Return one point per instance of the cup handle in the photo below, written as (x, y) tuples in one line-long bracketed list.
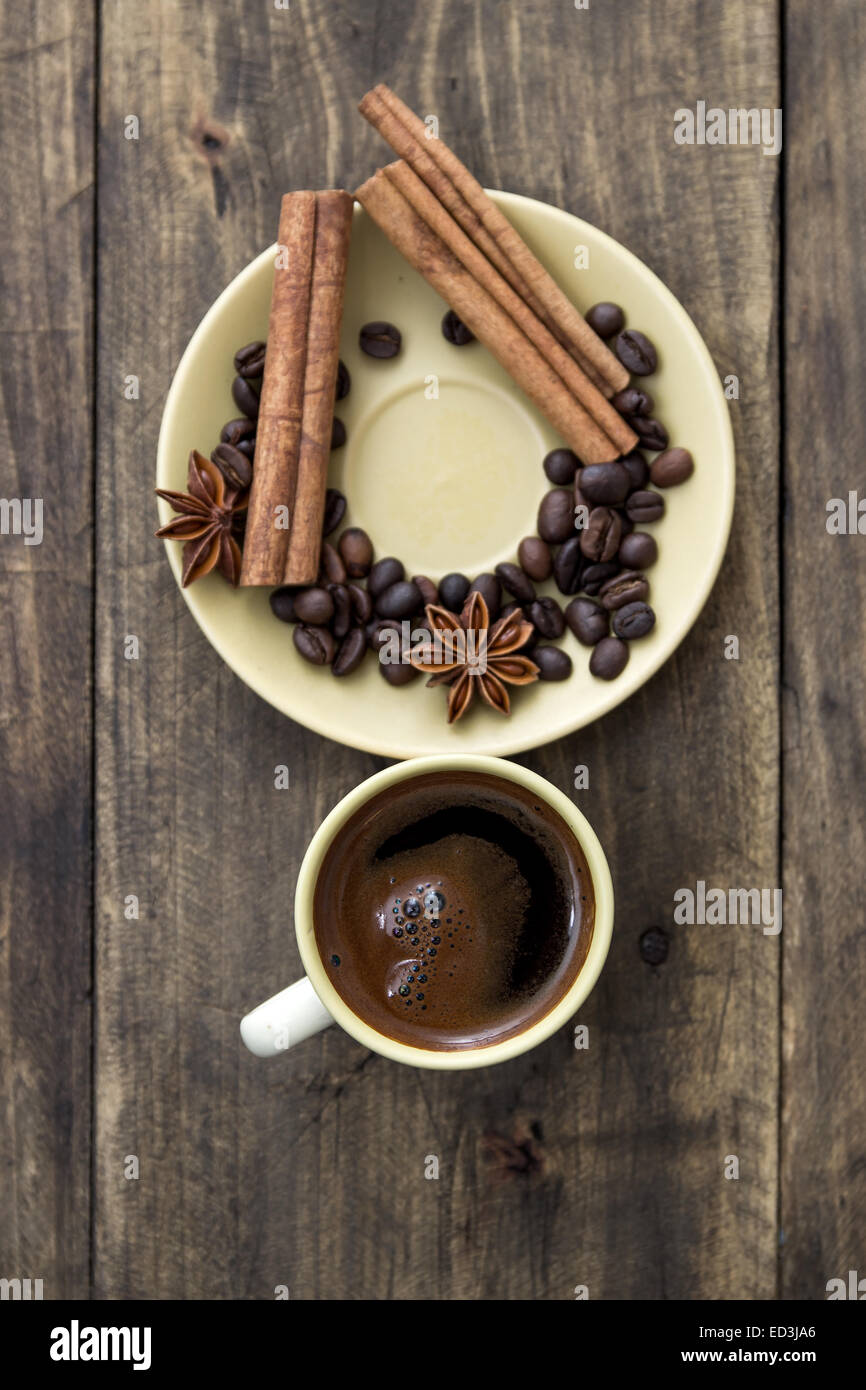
[(287, 1018)]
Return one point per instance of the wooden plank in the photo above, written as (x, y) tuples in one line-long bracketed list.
[(46, 112), (823, 1170), (310, 1172)]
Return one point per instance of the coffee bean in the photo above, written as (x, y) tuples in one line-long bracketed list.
[(344, 382), (553, 663), (535, 558), (234, 466), (315, 644), (350, 653), (397, 673), (636, 352), (629, 587), (454, 330), (429, 592), (356, 551), (605, 484), (609, 658), (560, 465), (380, 339), (588, 621), (236, 430), (399, 600), (556, 516), (384, 573), (568, 566), (282, 603), (651, 433), (634, 620), (546, 616), (600, 539), (338, 434), (382, 631), (653, 946), (343, 614), (250, 361), (633, 401), (637, 468), (248, 447), (638, 551), (645, 506), (625, 521), (452, 591), (672, 468), (488, 586), (361, 603), (582, 502), (314, 606), (331, 566), (335, 510), (596, 575), (606, 319), (245, 398), (512, 578)]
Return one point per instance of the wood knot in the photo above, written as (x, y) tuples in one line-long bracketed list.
[(209, 138), (513, 1156)]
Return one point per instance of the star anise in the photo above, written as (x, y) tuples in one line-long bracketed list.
[(471, 656), (209, 512)]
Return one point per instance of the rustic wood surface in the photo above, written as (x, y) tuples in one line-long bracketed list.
[(604, 1167)]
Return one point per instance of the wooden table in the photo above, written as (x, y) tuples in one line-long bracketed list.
[(154, 777)]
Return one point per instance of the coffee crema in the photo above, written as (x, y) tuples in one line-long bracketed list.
[(453, 910)]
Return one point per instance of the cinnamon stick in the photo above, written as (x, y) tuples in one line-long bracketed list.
[(440, 220), (330, 257), (278, 429), (462, 194), (478, 309)]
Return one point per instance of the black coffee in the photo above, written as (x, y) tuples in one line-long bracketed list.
[(453, 910)]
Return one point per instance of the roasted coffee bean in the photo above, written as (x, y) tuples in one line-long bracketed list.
[(626, 523), (399, 600), (568, 566), (282, 603), (452, 591), (361, 602), (535, 558), (556, 516), (331, 567), (629, 587), (338, 434), (356, 552), (234, 466), (588, 620), (636, 352), (597, 574), (637, 468), (454, 330), (316, 644), (384, 573), (553, 663), (335, 510), (638, 551), (653, 946), (351, 652), (633, 401), (512, 578), (314, 607), (342, 619), (429, 592), (645, 506), (250, 361), (560, 465), (634, 620), (397, 673), (344, 382), (234, 431), (382, 630), (581, 501), (545, 615), (248, 447), (651, 433), (245, 398), (605, 484), (609, 658), (488, 586), (380, 339), (600, 540), (606, 319), (672, 468)]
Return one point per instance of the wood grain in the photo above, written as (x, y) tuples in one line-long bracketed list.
[(602, 1167), (823, 1155), (46, 230)]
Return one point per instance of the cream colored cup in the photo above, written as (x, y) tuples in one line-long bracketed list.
[(313, 1003)]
